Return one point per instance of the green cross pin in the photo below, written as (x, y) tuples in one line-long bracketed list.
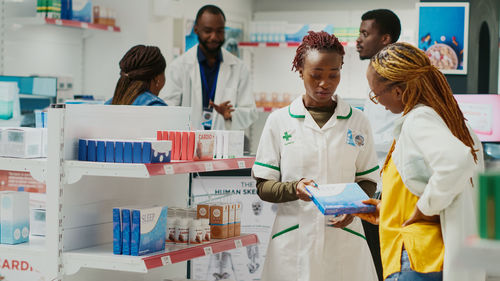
[(286, 136)]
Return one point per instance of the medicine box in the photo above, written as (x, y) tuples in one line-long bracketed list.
[(22, 142), (14, 217), (204, 145), (148, 230), (489, 205), (219, 217), (126, 230), (233, 144), (338, 199), (117, 231), (81, 10)]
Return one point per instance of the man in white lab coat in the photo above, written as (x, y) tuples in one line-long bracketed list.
[(378, 29), (209, 79)]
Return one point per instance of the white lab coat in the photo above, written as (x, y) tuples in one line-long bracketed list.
[(292, 146), (437, 167), (183, 88)]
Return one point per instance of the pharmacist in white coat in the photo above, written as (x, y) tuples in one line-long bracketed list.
[(318, 139), (209, 79)]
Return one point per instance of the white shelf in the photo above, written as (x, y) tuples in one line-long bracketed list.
[(74, 170), (480, 254), (102, 257), (35, 246), (25, 21), (37, 167)]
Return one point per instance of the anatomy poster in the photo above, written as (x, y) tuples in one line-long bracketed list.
[(243, 264), (445, 40)]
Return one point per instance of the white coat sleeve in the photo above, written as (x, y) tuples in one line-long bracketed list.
[(245, 112), (268, 158), (172, 92), (450, 161), (367, 167)]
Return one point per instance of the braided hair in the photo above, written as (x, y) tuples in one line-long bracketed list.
[(406, 65), (139, 66), (320, 41)]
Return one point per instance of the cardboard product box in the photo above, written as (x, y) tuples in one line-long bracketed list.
[(91, 150), (184, 146), (101, 151), (82, 149), (219, 217), (117, 231), (230, 222), (82, 10), (148, 230), (202, 211), (22, 142), (237, 219), (204, 145), (14, 217)]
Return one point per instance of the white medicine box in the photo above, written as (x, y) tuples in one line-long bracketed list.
[(14, 217), (22, 142)]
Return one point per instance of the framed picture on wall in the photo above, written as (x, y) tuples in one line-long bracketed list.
[(443, 32)]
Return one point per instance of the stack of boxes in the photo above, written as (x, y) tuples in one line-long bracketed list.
[(225, 219), (23, 142), (139, 231), (124, 151)]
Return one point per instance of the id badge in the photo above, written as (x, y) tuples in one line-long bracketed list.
[(206, 118)]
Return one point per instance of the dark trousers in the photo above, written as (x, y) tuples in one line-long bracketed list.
[(372, 238)]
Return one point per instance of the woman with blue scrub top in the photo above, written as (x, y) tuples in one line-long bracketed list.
[(142, 76), (317, 139)]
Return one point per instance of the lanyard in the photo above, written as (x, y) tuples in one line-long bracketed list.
[(211, 94)]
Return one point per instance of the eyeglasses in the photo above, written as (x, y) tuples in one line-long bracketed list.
[(373, 97)]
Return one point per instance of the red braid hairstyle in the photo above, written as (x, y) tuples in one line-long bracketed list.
[(320, 41)]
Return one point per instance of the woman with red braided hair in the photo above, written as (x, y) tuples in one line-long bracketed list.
[(317, 139), (427, 207), (142, 76)]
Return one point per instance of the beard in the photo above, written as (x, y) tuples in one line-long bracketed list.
[(211, 49)]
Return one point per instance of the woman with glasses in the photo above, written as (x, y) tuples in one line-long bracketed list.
[(427, 209)]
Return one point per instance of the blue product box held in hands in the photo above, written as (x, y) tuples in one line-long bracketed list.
[(339, 199)]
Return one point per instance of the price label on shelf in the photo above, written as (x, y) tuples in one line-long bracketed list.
[(84, 25), (209, 166), (241, 164), (238, 243), (169, 169), (110, 28), (208, 251), (165, 260), (59, 22)]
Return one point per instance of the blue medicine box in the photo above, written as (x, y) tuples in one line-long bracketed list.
[(91, 150), (110, 151), (339, 199), (126, 229), (82, 149), (117, 231), (101, 151), (119, 152), (148, 230), (127, 152), (137, 152)]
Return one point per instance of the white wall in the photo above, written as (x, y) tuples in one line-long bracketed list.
[(143, 22), (341, 14)]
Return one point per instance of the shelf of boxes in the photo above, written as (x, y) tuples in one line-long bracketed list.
[(35, 246), (61, 22), (102, 257), (480, 254), (276, 44), (74, 170), (37, 167)]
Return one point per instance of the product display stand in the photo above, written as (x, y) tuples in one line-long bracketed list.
[(81, 195)]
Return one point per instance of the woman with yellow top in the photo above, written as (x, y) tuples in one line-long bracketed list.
[(427, 209)]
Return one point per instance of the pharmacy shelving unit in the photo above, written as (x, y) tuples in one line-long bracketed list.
[(22, 21), (81, 195), (480, 254)]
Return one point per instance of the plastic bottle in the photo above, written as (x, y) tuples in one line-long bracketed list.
[(205, 223), (171, 223), (182, 229), (195, 232)]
